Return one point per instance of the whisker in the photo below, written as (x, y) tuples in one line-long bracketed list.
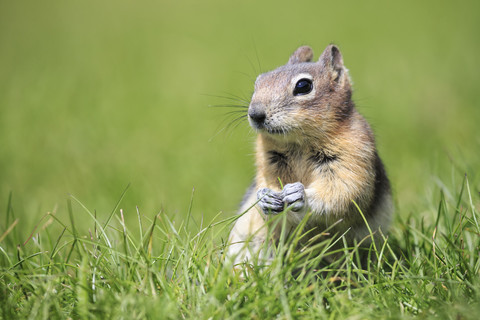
[(235, 113), (234, 121), (238, 119), (228, 106), (249, 76), (231, 118), (256, 55), (252, 65), (238, 122), (241, 99), (230, 97)]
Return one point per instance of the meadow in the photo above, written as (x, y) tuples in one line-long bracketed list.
[(120, 178)]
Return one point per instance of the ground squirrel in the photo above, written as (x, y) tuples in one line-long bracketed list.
[(313, 141)]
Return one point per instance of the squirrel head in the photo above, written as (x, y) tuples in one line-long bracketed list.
[(302, 98)]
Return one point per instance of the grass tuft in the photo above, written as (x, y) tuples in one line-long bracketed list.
[(164, 270)]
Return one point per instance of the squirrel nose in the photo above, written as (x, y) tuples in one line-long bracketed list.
[(257, 116)]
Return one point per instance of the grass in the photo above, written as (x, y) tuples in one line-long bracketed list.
[(164, 270), (98, 95)]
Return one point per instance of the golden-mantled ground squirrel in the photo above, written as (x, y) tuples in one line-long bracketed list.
[(313, 141)]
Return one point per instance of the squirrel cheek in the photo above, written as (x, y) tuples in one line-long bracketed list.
[(296, 116)]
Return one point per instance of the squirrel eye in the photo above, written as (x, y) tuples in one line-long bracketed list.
[(303, 86)]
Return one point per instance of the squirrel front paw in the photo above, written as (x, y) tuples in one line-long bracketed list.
[(294, 196), (270, 201)]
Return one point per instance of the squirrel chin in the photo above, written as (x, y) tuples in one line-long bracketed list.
[(283, 139)]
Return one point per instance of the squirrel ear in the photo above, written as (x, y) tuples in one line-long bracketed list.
[(332, 60), (302, 54)]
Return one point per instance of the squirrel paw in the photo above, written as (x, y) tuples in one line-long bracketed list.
[(294, 196), (270, 201)]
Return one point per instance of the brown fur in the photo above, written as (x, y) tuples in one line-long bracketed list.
[(319, 140)]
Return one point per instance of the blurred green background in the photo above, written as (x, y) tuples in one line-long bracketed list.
[(95, 95)]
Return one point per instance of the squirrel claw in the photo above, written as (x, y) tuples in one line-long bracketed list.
[(294, 196), (270, 201)]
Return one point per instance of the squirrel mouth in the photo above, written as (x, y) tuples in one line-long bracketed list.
[(276, 130), (267, 128), (271, 130)]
